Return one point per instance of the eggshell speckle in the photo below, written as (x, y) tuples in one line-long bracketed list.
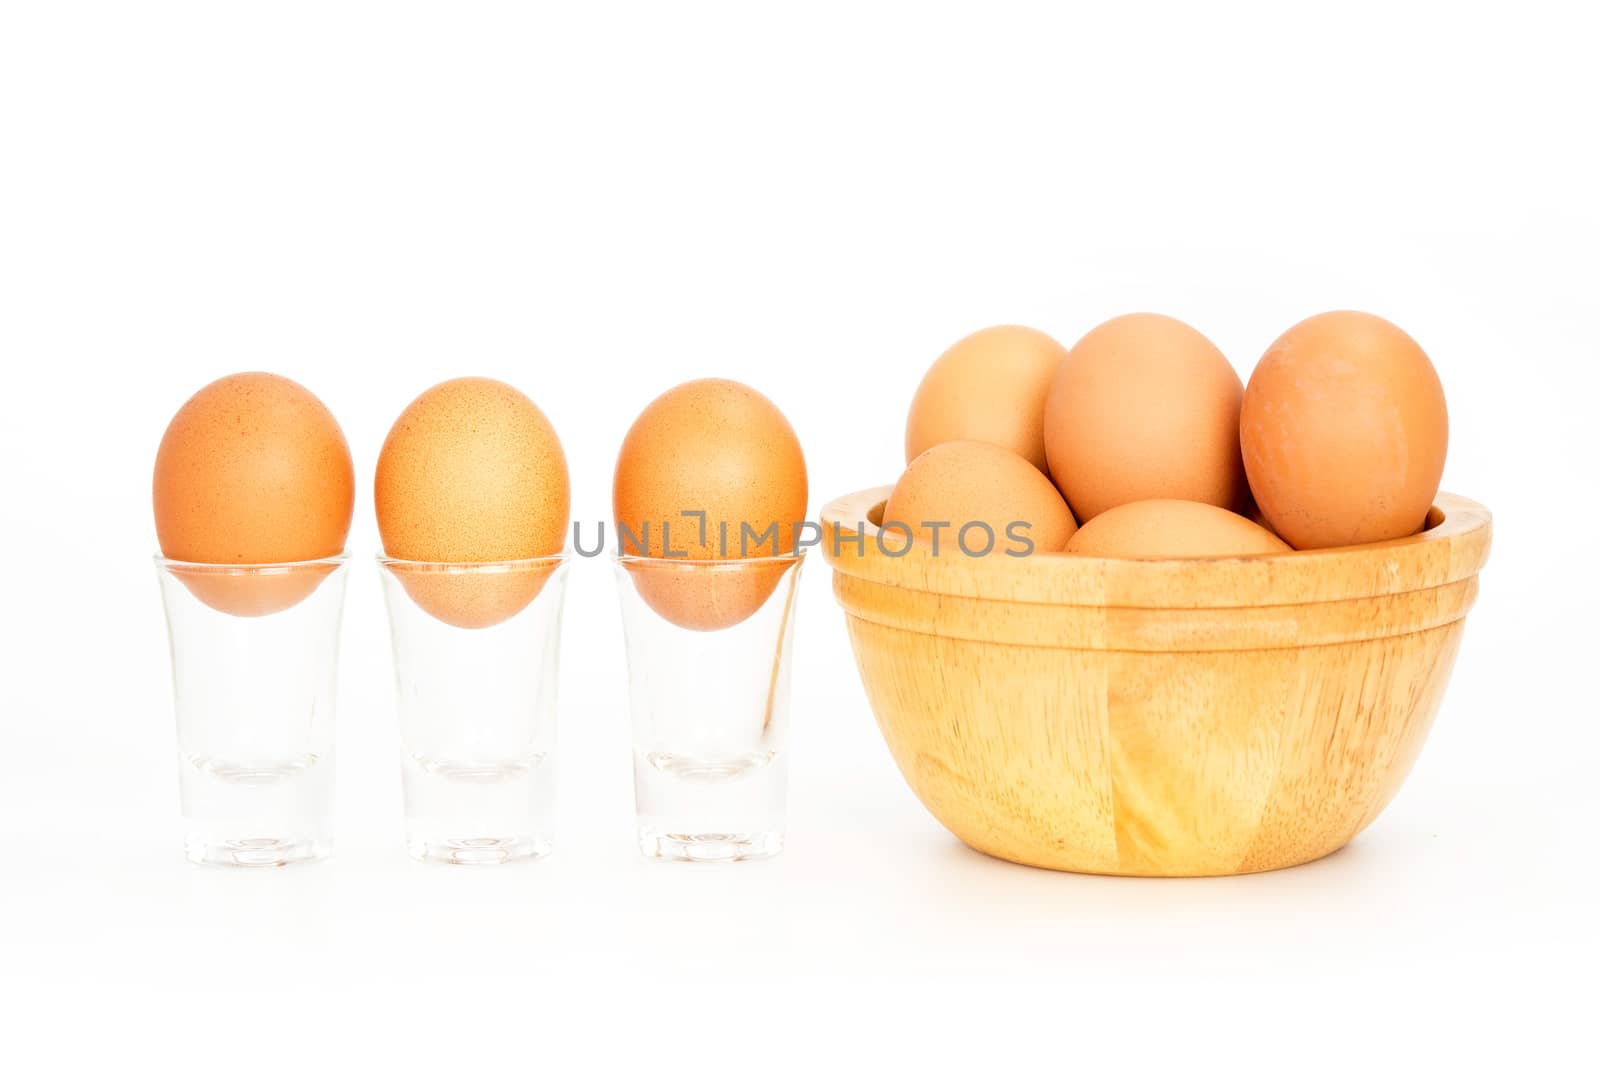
[(1170, 529), (1144, 407), (253, 470), (472, 472), (989, 386), (718, 447), (1344, 431), (962, 482)]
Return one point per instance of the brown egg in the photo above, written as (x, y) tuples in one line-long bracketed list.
[(1144, 407), (253, 470), (989, 386), (1007, 501), (1168, 529), (721, 448), (1344, 431), (472, 472)]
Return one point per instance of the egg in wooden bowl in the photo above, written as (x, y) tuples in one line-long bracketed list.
[(1162, 717)]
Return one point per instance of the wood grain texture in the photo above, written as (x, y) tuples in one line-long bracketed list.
[(1180, 717)]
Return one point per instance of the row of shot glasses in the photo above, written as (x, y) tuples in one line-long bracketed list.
[(255, 653)]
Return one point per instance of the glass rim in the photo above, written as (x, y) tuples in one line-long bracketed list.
[(733, 563), (449, 567), (167, 563)]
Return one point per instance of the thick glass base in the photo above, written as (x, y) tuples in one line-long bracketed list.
[(460, 812), (256, 813), (254, 852), (478, 850), (710, 846)]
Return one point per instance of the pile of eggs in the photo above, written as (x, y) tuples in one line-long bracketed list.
[(1141, 441)]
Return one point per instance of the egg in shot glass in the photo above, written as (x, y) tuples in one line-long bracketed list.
[(709, 501), (253, 491), (472, 499)]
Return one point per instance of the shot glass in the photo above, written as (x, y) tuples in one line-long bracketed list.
[(255, 652), (476, 655), (709, 646)]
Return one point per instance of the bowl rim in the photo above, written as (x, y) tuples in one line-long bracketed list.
[(1452, 548)]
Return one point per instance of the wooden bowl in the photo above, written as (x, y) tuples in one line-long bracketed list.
[(1156, 717)]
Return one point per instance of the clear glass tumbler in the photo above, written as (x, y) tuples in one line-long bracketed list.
[(709, 645), (477, 649), (255, 652)]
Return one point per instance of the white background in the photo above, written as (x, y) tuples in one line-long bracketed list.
[(597, 205)]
